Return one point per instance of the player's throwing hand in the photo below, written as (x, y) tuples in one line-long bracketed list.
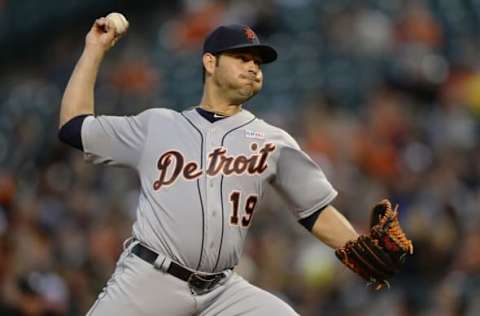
[(104, 34)]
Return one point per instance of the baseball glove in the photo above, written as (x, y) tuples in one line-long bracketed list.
[(376, 257)]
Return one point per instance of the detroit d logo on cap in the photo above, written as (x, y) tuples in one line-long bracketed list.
[(249, 34)]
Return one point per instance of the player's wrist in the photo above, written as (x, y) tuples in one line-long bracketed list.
[(94, 52)]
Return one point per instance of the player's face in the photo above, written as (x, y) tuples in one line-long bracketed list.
[(238, 75)]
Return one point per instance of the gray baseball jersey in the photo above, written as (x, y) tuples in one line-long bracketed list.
[(201, 181)]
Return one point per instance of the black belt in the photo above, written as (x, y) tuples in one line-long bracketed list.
[(199, 282)]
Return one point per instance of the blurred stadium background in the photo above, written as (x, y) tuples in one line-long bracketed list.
[(383, 94)]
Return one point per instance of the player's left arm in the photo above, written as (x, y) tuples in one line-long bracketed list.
[(309, 193), (332, 228), (375, 256)]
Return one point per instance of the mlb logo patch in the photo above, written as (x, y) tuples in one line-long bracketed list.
[(254, 134)]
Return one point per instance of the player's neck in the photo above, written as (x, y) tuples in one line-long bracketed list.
[(227, 110), (219, 105)]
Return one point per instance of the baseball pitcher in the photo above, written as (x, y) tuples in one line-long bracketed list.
[(203, 172)]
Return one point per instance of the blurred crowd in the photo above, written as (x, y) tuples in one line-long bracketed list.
[(384, 95)]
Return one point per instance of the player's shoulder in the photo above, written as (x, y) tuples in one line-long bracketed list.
[(276, 134), (160, 112), (157, 115)]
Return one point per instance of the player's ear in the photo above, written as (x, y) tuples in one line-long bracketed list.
[(209, 62)]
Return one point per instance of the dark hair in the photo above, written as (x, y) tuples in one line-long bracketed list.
[(217, 56)]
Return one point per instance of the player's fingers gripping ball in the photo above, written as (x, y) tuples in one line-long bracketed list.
[(119, 23), (376, 257)]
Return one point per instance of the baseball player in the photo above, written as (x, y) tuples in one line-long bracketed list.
[(202, 171)]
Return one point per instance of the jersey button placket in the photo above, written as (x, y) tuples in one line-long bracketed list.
[(212, 235)]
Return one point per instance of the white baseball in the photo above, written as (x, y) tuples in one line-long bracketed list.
[(119, 22)]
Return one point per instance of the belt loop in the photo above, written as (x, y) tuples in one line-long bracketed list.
[(162, 263), (126, 242), (129, 243)]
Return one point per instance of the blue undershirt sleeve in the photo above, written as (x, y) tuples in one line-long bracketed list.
[(310, 220), (71, 132)]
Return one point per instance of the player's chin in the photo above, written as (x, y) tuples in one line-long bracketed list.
[(253, 87), (248, 92)]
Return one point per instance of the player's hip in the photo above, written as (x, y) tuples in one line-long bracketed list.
[(137, 288)]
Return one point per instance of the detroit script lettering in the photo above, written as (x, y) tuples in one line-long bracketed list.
[(172, 164)]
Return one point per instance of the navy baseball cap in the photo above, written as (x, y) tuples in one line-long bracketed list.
[(236, 36)]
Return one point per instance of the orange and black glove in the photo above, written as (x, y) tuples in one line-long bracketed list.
[(376, 257)]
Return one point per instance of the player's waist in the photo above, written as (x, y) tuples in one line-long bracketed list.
[(199, 282)]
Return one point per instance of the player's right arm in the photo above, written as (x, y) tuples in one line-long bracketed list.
[(78, 98), (115, 140)]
